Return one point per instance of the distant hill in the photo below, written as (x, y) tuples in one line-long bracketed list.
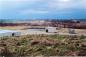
[(21, 20)]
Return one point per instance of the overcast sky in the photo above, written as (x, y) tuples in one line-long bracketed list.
[(42, 9)]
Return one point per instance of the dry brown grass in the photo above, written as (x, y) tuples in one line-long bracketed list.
[(48, 45), (13, 27)]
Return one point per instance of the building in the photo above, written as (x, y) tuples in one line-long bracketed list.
[(51, 29), (9, 33), (71, 31)]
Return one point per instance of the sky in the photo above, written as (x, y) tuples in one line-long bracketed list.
[(42, 9)]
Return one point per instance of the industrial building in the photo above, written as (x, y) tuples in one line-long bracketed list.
[(9, 33), (51, 29), (72, 31)]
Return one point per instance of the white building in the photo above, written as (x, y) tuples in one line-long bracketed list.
[(51, 29), (9, 33), (71, 31)]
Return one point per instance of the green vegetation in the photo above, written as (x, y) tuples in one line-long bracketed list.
[(43, 45), (58, 37)]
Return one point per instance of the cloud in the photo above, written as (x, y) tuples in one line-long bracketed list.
[(19, 0), (17, 3), (54, 6), (50, 4), (33, 11), (82, 4), (42, 7), (67, 4)]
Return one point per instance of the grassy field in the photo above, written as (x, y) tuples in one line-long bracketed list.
[(43, 45)]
